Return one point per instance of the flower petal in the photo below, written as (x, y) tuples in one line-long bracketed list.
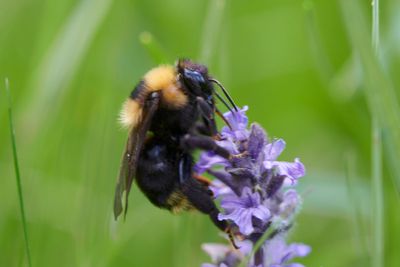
[(242, 218), (294, 265), (262, 213), (220, 189), (241, 210), (277, 252), (299, 249), (274, 149), (274, 184), (289, 205), (216, 251), (257, 140), (292, 170), (229, 145), (208, 160), (238, 122)]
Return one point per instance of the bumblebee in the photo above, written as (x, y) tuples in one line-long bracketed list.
[(169, 114)]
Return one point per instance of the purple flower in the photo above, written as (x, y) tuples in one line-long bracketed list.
[(257, 194), (283, 206), (277, 253), (217, 252), (274, 149), (243, 209), (219, 189), (257, 142), (238, 121), (291, 170), (288, 206), (224, 255), (207, 161)]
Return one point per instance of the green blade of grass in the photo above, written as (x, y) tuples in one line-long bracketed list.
[(342, 84), (211, 30), (269, 234), (358, 231), (377, 194), (375, 26), (256, 247), (384, 111), (324, 66), (379, 91), (154, 48), (63, 58), (17, 174), (377, 187)]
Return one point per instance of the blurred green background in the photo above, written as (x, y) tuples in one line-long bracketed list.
[(305, 68)]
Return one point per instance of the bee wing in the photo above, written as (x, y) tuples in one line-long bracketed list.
[(130, 156)]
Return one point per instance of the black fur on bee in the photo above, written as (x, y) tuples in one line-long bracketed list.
[(169, 114)]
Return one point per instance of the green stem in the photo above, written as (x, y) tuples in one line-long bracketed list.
[(269, 234), (377, 184), (380, 94), (358, 228), (17, 174), (324, 66), (256, 247), (375, 26), (377, 193), (212, 30), (154, 48)]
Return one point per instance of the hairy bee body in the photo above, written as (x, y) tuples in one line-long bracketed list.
[(158, 178), (169, 114)]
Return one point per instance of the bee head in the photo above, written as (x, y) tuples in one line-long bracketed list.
[(195, 78), (196, 82)]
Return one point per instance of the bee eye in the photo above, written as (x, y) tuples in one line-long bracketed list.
[(193, 75)]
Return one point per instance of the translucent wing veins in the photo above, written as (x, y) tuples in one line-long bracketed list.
[(130, 156)]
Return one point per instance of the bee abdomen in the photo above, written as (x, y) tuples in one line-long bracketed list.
[(178, 202)]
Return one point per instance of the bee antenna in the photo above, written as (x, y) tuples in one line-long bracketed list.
[(219, 113), (225, 92), (223, 101)]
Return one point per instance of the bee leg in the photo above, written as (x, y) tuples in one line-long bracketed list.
[(185, 173), (199, 197), (202, 179), (201, 127), (208, 115), (205, 143)]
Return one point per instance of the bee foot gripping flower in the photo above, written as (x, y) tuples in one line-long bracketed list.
[(257, 194)]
